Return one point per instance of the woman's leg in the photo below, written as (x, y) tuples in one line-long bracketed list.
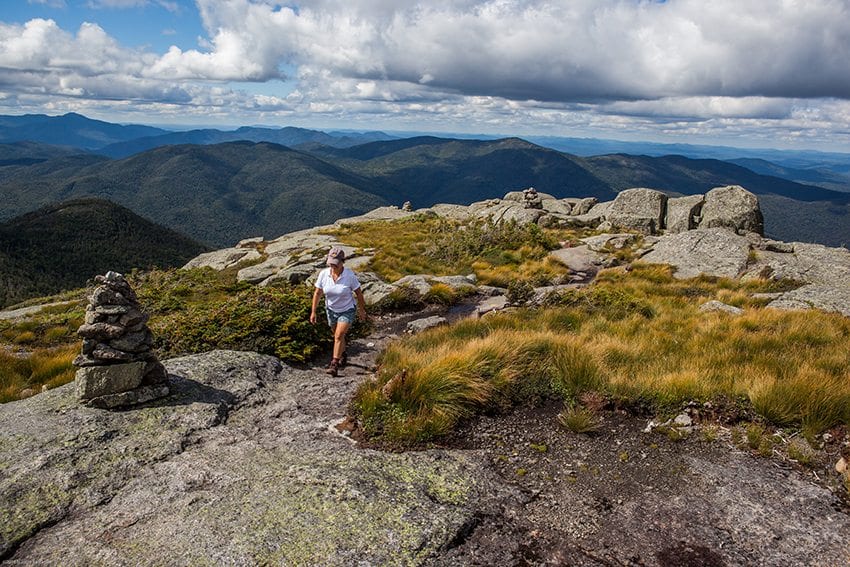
[(339, 338)]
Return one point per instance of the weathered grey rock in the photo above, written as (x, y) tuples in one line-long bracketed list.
[(715, 305), (101, 331), (493, 303), (109, 355), (604, 242), (784, 304), (418, 282), (777, 246), (136, 396), (556, 206), (103, 296), (133, 342), (244, 459), (295, 242), (520, 215), (381, 213), (375, 290), (452, 212), (419, 325), (544, 293), (553, 220), (732, 207), (578, 258), (714, 252), (222, 259), (639, 209), (456, 282), (358, 262), (422, 283), (490, 291), (250, 242), (835, 299), (584, 206), (259, 272), (810, 263), (95, 381), (111, 309), (133, 317), (591, 219), (499, 210), (27, 311), (683, 212), (297, 274)]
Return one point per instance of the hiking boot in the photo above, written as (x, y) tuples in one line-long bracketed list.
[(333, 368), (343, 360)]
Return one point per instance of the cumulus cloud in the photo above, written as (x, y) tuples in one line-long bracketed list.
[(555, 50), (679, 67)]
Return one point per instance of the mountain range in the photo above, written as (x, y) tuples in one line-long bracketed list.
[(221, 192)]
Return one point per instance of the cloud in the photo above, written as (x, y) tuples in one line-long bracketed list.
[(557, 50), (169, 5), (49, 3), (611, 67)]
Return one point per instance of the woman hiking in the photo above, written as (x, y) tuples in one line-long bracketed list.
[(340, 287)]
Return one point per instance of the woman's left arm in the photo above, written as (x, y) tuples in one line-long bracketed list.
[(361, 303)]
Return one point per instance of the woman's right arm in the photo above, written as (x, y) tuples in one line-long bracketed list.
[(317, 294)]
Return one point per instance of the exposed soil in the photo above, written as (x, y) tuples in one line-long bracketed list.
[(624, 497)]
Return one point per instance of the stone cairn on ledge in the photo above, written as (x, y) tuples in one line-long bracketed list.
[(117, 367)]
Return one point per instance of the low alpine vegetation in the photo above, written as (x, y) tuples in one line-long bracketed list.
[(497, 253), (635, 336)]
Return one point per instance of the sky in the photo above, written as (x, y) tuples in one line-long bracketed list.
[(747, 73)]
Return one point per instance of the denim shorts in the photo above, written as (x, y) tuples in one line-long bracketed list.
[(343, 316)]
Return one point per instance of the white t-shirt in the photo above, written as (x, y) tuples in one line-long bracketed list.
[(339, 294)]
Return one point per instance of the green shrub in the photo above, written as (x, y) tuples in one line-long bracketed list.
[(272, 320), (519, 292)]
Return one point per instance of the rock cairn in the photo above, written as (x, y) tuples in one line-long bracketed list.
[(117, 367), (532, 199)]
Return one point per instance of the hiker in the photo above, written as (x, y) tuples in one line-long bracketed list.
[(339, 285)]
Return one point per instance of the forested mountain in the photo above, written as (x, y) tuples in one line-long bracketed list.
[(221, 193), (823, 177), (216, 194), (289, 136), (29, 153), (61, 246), (690, 176), (430, 170), (69, 130)]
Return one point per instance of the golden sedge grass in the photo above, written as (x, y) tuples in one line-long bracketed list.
[(21, 376), (793, 367)]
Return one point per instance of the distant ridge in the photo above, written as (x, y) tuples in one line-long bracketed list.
[(288, 136), (69, 130), (60, 246)]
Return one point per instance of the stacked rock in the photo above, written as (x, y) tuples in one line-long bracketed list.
[(532, 199), (117, 367)]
